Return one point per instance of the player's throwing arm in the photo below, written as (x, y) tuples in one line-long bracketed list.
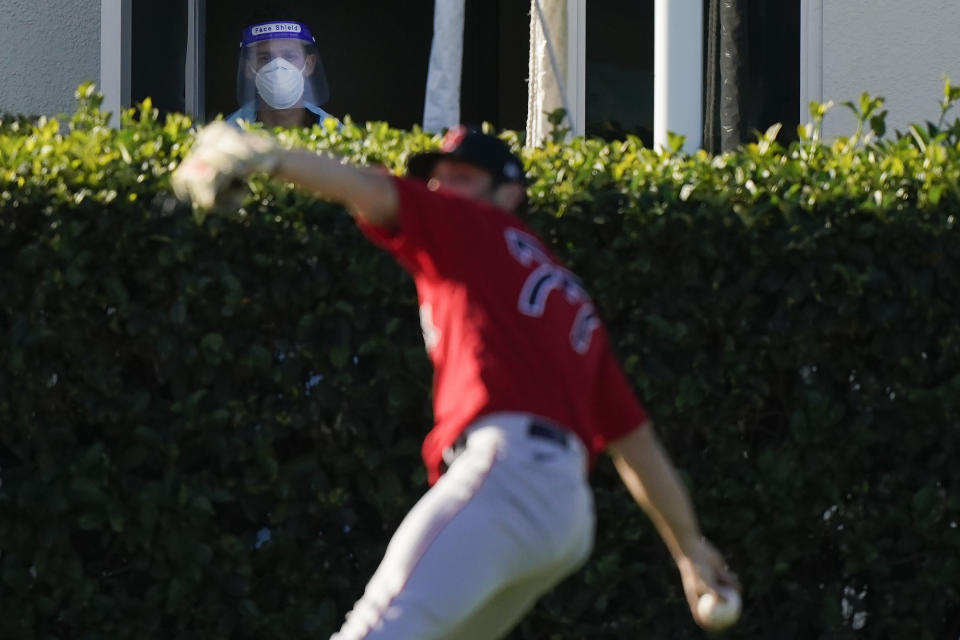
[(222, 156)]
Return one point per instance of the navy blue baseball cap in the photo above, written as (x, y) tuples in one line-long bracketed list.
[(472, 147)]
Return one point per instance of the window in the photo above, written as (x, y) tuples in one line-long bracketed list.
[(159, 48), (619, 69), (774, 67), (375, 55), (496, 46)]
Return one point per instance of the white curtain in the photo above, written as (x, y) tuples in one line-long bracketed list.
[(441, 107), (548, 66)]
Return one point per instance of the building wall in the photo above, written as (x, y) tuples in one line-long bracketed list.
[(50, 47), (890, 48)]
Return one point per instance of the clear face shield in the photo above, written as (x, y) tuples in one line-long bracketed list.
[(279, 67)]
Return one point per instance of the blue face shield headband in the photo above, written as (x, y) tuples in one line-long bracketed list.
[(281, 29)]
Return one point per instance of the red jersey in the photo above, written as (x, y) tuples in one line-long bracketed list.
[(506, 326)]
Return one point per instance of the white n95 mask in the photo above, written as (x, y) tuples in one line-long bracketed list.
[(280, 83)]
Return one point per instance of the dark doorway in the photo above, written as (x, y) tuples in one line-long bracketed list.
[(496, 49), (159, 46), (619, 69), (773, 93)]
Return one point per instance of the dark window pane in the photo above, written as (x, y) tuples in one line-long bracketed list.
[(773, 86), (496, 47), (159, 45), (619, 69)]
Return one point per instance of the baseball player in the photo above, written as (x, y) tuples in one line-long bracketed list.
[(527, 392)]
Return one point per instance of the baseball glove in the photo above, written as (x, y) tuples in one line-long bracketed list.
[(213, 174)]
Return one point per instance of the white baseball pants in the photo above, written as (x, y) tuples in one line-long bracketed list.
[(511, 517)]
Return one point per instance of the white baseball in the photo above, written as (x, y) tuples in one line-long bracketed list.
[(719, 609)]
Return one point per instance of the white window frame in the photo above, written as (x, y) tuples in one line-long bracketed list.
[(576, 88), (116, 26), (678, 72), (811, 56)]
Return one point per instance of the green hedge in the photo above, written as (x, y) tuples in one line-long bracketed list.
[(209, 429)]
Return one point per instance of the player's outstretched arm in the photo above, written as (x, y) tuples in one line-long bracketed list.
[(366, 192), (652, 480), (223, 155)]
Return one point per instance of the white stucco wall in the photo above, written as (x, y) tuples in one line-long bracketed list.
[(890, 48), (49, 47)]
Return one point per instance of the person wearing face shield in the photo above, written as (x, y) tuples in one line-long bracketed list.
[(280, 78)]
